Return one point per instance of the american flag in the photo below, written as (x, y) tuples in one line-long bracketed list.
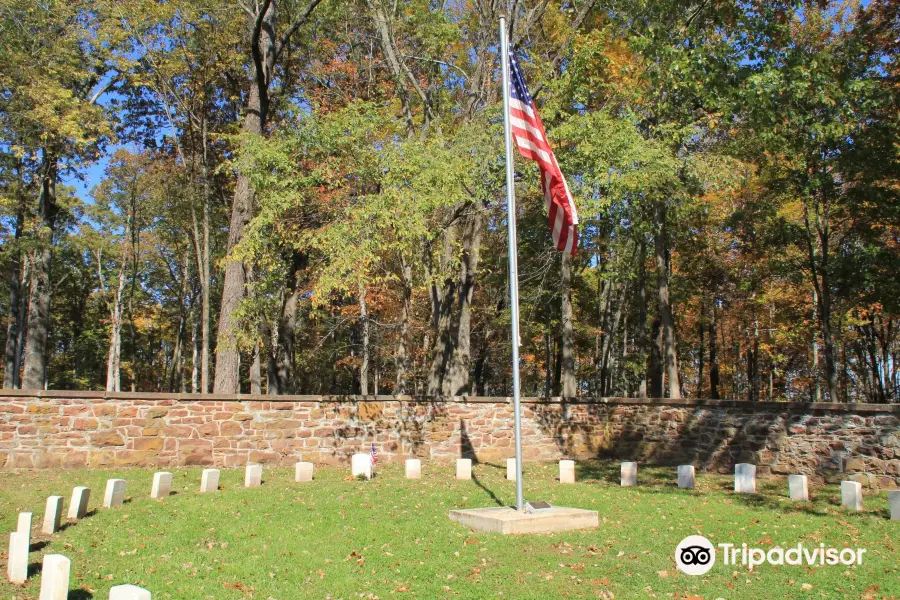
[(373, 456), (528, 134)]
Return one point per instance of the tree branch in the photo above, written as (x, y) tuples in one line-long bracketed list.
[(304, 17), (104, 88)]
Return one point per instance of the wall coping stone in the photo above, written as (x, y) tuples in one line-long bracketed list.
[(806, 407)]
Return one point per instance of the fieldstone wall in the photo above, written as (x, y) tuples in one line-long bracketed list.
[(97, 429)]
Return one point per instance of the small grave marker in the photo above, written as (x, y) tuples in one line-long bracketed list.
[(361, 465), (24, 523), (686, 477), (79, 505), (17, 563), (511, 469), (464, 468), (55, 577), (745, 478), (851, 495), (894, 504), (629, 474), (253, 476), (52, 515), (798, 488), (303, 471), (209, 481), (115, 493), (128, 592)]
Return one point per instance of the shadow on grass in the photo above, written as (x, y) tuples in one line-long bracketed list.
[(487, 490), (611, 473), (38, 546), (34, 569), (79, 594), (65, 525)]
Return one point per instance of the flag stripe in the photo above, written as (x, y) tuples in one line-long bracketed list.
[(531, 140)]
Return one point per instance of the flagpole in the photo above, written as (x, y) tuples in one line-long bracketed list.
[(513, 258)]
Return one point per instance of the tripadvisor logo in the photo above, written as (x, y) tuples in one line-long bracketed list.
[(696, 555)]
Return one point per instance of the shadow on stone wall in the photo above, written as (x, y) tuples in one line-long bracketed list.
[(715, 439), (407, 428)]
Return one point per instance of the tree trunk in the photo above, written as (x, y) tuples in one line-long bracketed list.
[(256, 371), (451, 311), (281, 362), (665, 310), (713, 362), (14, 325), (201, 251), (176, 375), (816, 389), (195, 354), (548, 360), (255, 114), (114, 356), (607, 358), (39, 292), (456, 381), (821, 286), (655, 366), (401, 358), (701, 327), (364, 341), (641, 326), (567, 333), (755, 382)]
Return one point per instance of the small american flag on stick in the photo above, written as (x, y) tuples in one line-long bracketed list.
[(373, 456), (529, 136)]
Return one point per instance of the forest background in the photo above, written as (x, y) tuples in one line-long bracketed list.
[(282, 196)]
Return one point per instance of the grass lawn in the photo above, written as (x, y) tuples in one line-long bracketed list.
[(391, 538)]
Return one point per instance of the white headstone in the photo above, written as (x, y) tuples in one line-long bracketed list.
[(115, 493), (361, 465), (253, 476), (24, 524), (55, 577), (511, 469), (128, 592), (567, 471), (629, 474), (17, 563), (686, 476), (851, 495), (413, 468), (303, 471), (894, 504), (209, 481), (464, 468), (79, 505), (162, 485), (745, 478), (798, 488), (52, 515)]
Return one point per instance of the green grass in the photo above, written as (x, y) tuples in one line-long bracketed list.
[(391, 538)]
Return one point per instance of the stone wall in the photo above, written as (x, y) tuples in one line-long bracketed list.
[(98, 429)]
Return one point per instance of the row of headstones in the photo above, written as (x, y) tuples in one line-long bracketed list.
[(55, 572), (745, 483), (56, 568), (744, 479)]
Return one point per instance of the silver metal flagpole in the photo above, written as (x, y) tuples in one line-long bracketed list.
[(513, 258)]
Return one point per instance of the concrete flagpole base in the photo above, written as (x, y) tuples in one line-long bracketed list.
[(507, 520)]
